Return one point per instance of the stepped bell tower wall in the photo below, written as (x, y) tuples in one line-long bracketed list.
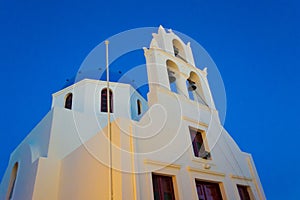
[(171, 67)]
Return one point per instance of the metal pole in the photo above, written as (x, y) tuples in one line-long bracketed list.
[(108, 124)]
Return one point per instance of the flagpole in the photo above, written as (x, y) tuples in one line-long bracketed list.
[(108, 123)]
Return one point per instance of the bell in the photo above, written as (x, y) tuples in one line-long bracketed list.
[(192, 85), (172, 77), (176, 50)]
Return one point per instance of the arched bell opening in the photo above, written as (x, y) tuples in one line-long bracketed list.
[(194, 88), (178, 50), (172, 70), (191, 87)]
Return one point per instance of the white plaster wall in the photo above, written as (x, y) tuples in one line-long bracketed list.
[(87, 98), (169, 143), (35, 145), (162, 137), (66, 155), (85, 172)]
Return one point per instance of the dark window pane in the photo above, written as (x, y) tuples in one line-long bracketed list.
[(11, 192), (163, 187), (243, 192), (208, 190), (139, 106), (197, 143), (104, 100), (12, 183), (68, 101)]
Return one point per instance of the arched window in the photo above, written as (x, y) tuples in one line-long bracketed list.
[(139, 106), (68, 101), (104, 100), (12, 182)]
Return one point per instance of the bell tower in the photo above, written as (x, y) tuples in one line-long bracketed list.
[(171, 67)]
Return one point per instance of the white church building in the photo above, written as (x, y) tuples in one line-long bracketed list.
[(171, 146)]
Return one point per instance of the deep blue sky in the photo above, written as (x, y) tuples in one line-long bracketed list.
[(255, 45)]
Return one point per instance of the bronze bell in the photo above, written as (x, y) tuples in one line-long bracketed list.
[(192, 85), (172, 77), (176, 50)]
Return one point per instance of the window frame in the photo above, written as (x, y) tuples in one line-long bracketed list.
[(104, 101), (68, 101), (207, 182), (160, 178), (203, 151), (246, 188)]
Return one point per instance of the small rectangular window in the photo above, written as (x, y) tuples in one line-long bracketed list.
[(208, 190), (198, 144), (139, 107), (104, 99), (163, 187), (244, 192)]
